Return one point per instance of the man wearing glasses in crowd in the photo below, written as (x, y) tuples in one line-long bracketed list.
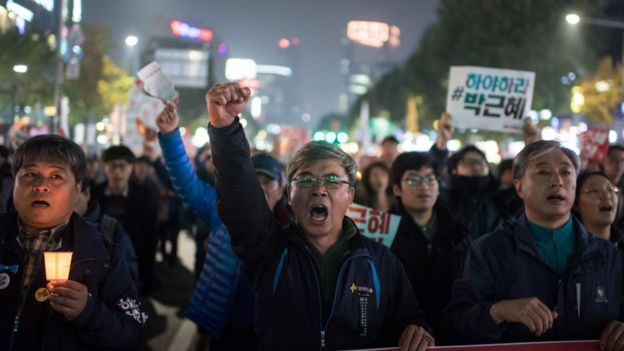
[(319, 283), (543, 276)]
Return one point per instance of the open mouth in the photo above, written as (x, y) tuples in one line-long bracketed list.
[(555, 198), (605, 208), (318, 213), (39, 203)]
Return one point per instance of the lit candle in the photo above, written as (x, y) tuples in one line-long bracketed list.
[(57, 265)]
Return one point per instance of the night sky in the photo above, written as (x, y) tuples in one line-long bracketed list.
[(252, 29)]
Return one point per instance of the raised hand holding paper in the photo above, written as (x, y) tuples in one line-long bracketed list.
[(155, 83)]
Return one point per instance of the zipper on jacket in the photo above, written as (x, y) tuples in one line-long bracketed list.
[(318, 291)]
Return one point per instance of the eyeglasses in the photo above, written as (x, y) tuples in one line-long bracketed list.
[(417, 180), (330, 181), (596, 193)]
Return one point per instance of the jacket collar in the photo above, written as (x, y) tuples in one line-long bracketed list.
[(586, 246)]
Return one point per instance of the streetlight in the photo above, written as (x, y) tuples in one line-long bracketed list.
[(131, 42), (20, 68), (574, 19)]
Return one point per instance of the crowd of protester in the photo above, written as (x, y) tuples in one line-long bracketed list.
[(531, 251)]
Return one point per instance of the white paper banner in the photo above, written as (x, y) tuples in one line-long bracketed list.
[(374, 224), (489, 98)]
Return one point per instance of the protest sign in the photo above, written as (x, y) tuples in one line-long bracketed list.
[(583, 345), (594, 144), (374, 224), (155, 83), (489, 98)]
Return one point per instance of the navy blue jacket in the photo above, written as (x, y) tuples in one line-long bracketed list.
[(373, 301), (112, 318), (506, 264)]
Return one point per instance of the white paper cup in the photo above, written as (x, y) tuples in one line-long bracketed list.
[(57, 265)]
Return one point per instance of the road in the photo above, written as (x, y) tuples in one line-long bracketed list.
[(166, 329)]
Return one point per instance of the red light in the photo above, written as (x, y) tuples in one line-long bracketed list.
[(295, 41), (175, 27), (284, 43), (205, 34)]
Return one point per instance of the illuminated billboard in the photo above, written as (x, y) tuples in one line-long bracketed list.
[(185, 30), (374, 34), (186, 68)]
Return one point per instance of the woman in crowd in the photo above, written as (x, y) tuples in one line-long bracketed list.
[(596, 205)]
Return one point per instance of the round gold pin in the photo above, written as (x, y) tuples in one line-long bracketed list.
[(42, 294)]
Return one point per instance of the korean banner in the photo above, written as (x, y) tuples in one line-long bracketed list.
[(489, 98), (594, 144), (584, 345), (374, 224)]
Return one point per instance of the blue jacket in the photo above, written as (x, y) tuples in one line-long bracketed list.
[(506, 264), (373, 301), (222, 293), (112, 318)]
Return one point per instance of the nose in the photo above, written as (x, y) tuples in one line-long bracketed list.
[(319, 189), (556, 181), (41, 186)]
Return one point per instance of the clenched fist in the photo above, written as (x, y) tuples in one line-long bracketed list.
[(225, 102)]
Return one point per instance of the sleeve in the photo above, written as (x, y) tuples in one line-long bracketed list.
[(242, 205), (114, 318), (467, 317), (440, 155), (200, 197)]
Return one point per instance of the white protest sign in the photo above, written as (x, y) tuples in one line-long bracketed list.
[(489, 98), (374, 224), (156, 83)]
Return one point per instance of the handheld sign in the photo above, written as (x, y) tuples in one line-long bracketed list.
[(374, 224), (594, 143), (489, 98)]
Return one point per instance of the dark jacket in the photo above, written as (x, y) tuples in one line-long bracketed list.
[(432, 267), (506, 264), (112, 318), (372, 301), (222, 298), (470, 200)]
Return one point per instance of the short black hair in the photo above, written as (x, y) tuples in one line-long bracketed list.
[(51, 148), (144, 159), (118, 152), (504, 166), (412, 160), (459, 155), (390, 139)]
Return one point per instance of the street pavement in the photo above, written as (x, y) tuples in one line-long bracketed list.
[(166, 329)]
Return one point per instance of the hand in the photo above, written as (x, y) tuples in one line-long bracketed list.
[(225, 102), (68, 297), (168, 120), (612, 337), (529, 311), (414, 338), (530, 132), (445, 130)]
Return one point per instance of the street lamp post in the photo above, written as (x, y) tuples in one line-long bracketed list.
[(131, 42), (574, 19)]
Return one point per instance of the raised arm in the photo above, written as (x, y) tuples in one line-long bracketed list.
[(242, 204)]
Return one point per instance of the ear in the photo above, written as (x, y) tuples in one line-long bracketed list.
[(288, 190), (396, 190), (518, 185), (351, 194)]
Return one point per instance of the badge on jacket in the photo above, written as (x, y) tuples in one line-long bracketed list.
[(5, 280), (42, 294), (601, 295)]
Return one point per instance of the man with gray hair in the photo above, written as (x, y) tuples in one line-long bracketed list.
[(543, 276), (319, 283)]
